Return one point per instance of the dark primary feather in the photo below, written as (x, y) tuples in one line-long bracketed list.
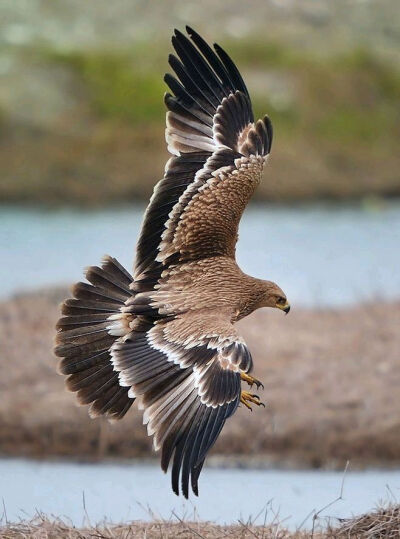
[(213, 60), (200, 85), (198, 69), (233, 71), (225, 69)]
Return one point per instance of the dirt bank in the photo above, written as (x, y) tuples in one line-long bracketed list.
[(331, 388)]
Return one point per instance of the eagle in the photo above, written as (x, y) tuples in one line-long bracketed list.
[(165, 336)]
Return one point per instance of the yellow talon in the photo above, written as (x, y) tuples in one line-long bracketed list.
[(251, 381), (246, 397)]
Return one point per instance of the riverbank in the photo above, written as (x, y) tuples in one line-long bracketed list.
[(383, 522), (331, 379)]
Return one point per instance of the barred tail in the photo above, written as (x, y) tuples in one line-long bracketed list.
[(90, 324)]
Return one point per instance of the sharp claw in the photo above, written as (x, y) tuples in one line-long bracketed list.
[(247, 398), (252, 381)]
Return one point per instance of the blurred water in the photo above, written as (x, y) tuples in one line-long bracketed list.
[(319, 255), (127, 492)]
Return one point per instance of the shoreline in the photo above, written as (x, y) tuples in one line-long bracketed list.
[(214, 462)]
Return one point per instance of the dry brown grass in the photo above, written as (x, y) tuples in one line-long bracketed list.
[(331, 388), (382, 523), (44, 528)]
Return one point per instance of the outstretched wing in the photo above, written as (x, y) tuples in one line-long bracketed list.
[(187, 380), (218, 158)]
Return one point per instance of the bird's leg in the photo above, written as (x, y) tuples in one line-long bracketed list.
[(251, 381), (246, 397)]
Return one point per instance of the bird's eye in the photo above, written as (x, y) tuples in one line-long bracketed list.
[(281, 301)]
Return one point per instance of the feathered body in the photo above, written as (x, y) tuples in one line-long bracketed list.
[(165, 336)]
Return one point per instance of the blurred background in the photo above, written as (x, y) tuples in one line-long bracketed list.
[(82, 117), (82, 145)]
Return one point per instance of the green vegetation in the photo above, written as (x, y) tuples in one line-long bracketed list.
[(118, 85), (356, 94), (336, 123), (262, 54)]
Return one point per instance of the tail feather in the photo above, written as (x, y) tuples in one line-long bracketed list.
[(80, 320), (74, 365), (80, 351), (103, 279), (84, 291), (89, 325), (114, 269), (86, 334), (74, 306), (118, 401)]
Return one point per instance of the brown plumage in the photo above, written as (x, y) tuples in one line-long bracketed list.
[(165, 336)]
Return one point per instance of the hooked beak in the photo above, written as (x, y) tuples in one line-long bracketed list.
[(285, 308)]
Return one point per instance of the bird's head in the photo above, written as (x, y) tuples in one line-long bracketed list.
[(273, 296)]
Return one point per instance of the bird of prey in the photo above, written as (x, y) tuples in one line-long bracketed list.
[(165, 337)]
